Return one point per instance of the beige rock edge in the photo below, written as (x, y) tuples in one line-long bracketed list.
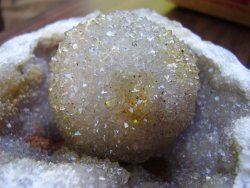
[(21, 48)]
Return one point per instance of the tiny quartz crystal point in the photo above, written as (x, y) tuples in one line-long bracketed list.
[(122, 87)]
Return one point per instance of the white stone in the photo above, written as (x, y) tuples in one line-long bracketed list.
[(215, 58)]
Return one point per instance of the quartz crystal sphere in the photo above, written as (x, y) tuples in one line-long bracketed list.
[(122, 87)]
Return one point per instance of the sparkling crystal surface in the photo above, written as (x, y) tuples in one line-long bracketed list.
[(122, 87), (205, 155), (213, 152), (87, 172), (24, 105)]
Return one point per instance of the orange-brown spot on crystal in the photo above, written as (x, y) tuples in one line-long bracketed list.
[(43, 143), (38, 142)]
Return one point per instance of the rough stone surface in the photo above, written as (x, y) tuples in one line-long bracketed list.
[(24, 81), (208, 144), (242, 138), (207, 151), (24, 101), (86, 173), (221, 122), (122, 87)]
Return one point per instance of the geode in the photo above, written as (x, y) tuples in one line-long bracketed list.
[(213, 152), (122, 87)]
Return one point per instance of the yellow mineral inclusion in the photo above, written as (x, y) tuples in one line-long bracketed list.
[(135, 121), (107, 103)]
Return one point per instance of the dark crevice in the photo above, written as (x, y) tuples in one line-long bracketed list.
[(46, 48)]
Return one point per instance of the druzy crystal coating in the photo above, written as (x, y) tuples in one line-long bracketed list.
[(212, 152), (23, 97), (122, 87)]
